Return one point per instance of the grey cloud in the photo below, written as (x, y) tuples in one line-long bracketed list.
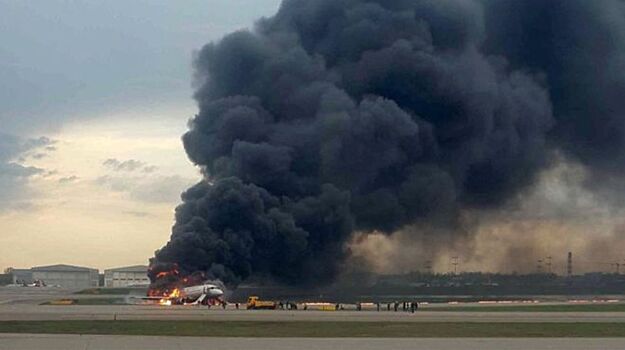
[(38, 155), (15, 193), (150, 169), (68, 179), (161, 189), (19, 171), (41, 142), (10, 147), (126, 165), (155, 189), (138, 214), (50, 173), (14, 147), (130, 165)]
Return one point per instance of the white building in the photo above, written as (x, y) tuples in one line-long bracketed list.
[(21, 276), (126, 277), (66, 276)]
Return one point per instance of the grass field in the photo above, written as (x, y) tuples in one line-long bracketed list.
[(316, 329), (533, 308)]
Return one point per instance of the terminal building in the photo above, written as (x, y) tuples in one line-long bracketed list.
[(66, 276), (131, 276)]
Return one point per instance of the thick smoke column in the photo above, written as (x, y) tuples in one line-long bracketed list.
[(580, 47), (337, 116)]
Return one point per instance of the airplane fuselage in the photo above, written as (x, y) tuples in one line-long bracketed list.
[(194, 292)]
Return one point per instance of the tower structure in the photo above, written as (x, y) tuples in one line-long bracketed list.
[(569, 265)]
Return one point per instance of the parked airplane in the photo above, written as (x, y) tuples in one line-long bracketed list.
[(37, 283)]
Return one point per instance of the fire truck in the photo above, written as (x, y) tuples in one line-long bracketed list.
[(254, 303)]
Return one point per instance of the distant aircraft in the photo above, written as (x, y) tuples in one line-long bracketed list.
[(37, 283), (206, 294)]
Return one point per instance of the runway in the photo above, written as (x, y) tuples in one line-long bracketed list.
[(77, 342), (22, 304), (25, 312)]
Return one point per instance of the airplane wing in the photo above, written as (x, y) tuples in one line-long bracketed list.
[(152, 298)]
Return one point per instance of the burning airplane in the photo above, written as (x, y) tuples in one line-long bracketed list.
[(170, 288), (204, 294)]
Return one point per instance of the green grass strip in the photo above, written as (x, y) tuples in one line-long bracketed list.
[(317, 329)]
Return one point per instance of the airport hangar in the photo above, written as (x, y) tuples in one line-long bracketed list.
[(131, 276), (67, 276), (77, 277)]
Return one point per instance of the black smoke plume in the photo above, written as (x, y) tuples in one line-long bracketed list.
[(343, 116)]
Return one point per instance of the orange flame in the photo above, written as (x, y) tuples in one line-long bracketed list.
[(163, 274), (167, 297)]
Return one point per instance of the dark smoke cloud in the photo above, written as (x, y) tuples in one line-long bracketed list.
[(580, 46), (338, 116)]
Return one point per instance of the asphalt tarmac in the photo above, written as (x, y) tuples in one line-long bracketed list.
[(78, 342), (27, 295), (23, 312), (22, 304)]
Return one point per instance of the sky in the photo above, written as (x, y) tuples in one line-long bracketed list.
[(94, 98)]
